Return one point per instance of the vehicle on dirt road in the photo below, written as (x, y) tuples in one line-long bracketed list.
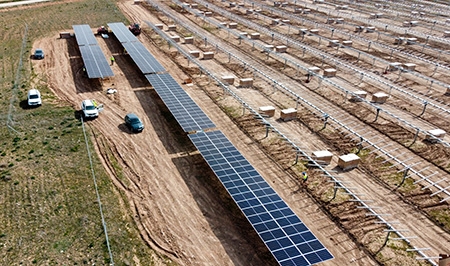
[(34, 98), (135, 28), (134, 123), (90, 108), (38, 54)]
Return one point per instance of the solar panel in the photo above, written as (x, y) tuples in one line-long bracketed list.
[(122, 33), (95, 62), (282, 231), (84, 35), (146, 62), (183, 108)]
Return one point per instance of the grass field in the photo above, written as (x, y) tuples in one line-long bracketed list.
[(49, 211)]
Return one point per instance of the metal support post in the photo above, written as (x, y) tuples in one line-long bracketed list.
[(378, 37), (435, 69), (229, 57), (304, 50), (378, 113), (325, 117), (373, 63), (335, 193), (320, 39), (332, 33), (206, 41), (392, 51), (405, 173), (415, 137), (296, 103), (272, 36), (267, 131), (360, 146), (359, 55), (425, 103), (368, 46), (385, 241), (323, 61)]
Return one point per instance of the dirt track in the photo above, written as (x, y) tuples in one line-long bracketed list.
[(177, 203)]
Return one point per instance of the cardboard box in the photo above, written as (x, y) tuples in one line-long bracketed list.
[(246, 82), (411, 40), (322, 157), (370, 29), (409, 66), (267, 111), (437, 133), (228, 80), (314, 70), (281, 48), (208, 55), (314, 32), (348, 161), (347, 43), (232, 25), (358, 96), (329, 72), (379, 97), (175, 38), (255, 36), (172, 27), (288, 114), (159, 26), (333, 43), (394, 66), (188, 40), (195, 54)]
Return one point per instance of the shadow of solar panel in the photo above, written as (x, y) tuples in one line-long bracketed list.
[(187, 113), (84, 35), (122, 33), (284, 234), (95, 62)]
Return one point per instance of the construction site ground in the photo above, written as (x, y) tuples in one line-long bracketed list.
[(180, 207)]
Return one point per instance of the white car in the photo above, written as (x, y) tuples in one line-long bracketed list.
[(34, 98), (89, 108)]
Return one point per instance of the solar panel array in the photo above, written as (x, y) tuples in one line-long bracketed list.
[(94, 60), (145, 61), (287, 238), (122, 33), (184, 109)]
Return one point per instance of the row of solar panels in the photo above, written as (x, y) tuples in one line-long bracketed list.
[(94, 60), (145, 61), (284, 234)]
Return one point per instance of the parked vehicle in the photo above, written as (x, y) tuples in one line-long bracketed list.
[(34, 98), (134, 123), (90, 108), (39, 54)]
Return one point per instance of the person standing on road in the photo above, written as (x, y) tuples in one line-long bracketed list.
[(112, 60), (305, 176)]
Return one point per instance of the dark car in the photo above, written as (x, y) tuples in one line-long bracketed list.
[(39, 54), (134, 123)]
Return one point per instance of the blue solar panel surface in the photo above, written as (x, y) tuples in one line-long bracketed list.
[(122, 33), (145, 61), (95, 62), (287, 238), (180, 104), (84, 35)]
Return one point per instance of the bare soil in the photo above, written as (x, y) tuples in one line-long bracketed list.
[(179, 206)]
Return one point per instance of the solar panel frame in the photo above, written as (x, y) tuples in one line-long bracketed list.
[(84, 35), (95, 62), (145, 61), (281, 230), (187, 113), (122, 33)]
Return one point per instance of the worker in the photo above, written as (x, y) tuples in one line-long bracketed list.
[(305, 176), (112, 60)]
